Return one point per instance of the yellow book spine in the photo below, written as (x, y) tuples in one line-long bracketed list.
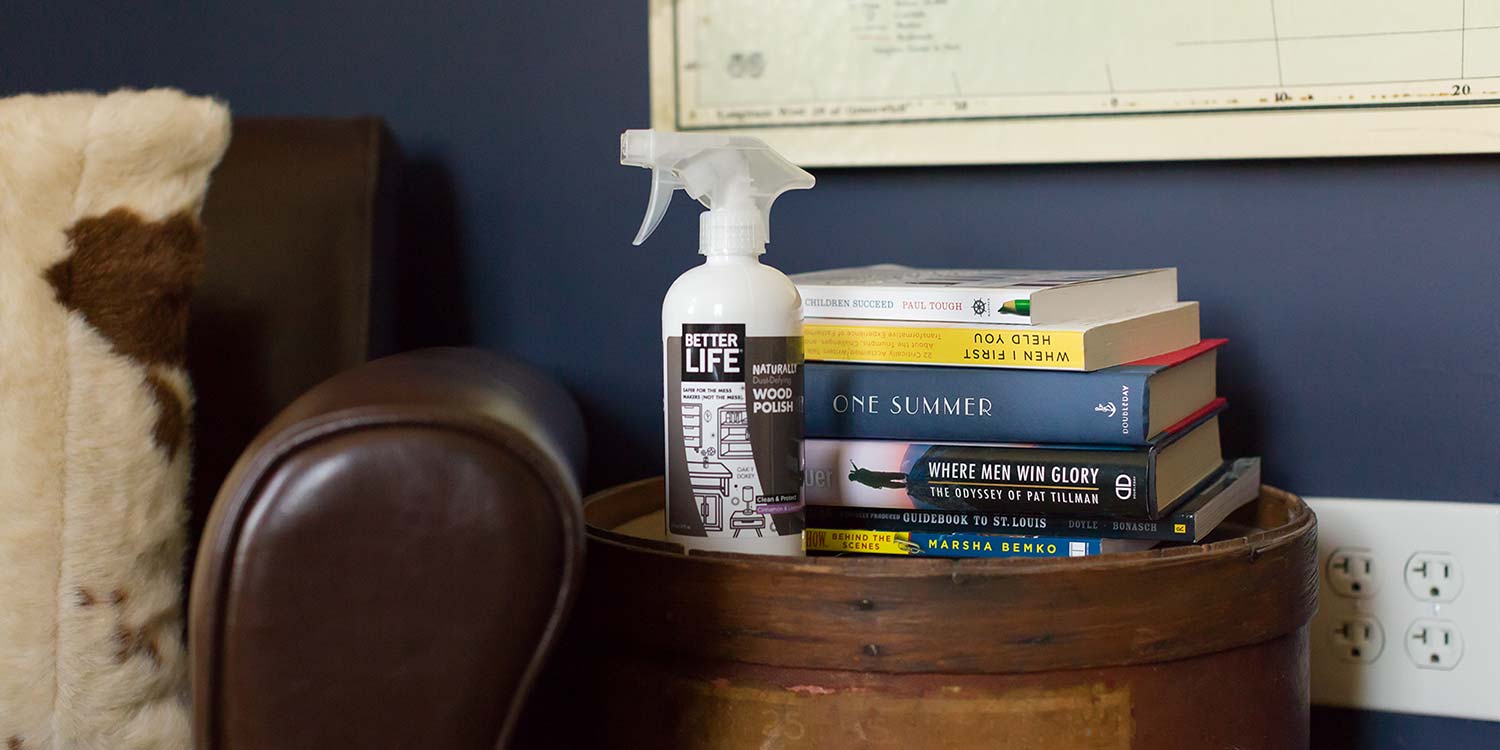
[(970, 347), (868, 542)]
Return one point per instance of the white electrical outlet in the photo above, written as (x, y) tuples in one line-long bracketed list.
[(1424, 573), (1434, 576), (1351, 572), (1434, 644), (1358, 639)]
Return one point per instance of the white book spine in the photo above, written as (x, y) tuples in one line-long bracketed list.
[(918, 304)]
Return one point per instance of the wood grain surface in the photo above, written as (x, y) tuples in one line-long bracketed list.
[(971, 616), (1195, 646)]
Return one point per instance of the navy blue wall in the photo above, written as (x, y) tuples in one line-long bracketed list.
[(1358, 293)]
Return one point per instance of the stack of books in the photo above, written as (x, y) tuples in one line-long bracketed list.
[(994, 413)]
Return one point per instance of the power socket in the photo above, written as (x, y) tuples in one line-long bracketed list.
[(1434, 576), (1351, 572), (1424, 573), (1358, 639), (1434, 644)]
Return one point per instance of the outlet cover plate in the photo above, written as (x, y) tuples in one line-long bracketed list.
[(1392, 531)]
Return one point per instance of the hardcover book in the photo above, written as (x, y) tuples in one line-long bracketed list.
[(892, 292), (1086, 346), (873, 542), (1225, 492), (1083, 481), (1123, 405)]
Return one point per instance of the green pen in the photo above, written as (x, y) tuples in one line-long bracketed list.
[(1016, 307)]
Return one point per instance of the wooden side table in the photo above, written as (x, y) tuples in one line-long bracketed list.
[(1186, 647)]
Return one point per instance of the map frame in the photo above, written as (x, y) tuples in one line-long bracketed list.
[(1463, 124)]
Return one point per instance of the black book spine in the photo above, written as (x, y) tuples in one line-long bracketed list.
[(984, 478), (1172, 529)]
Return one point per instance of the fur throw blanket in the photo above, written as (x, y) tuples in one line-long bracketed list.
[(99, 249)]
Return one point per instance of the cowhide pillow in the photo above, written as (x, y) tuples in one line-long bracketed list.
[(99, 249)]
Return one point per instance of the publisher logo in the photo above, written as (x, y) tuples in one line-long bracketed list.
[(1107, 410), (981, 307), (713, 352), (1125, 487)]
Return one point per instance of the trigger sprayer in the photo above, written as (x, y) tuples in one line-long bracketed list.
[(736, 178), (732, 347)]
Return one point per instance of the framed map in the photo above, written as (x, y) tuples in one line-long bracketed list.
[(857, 82)]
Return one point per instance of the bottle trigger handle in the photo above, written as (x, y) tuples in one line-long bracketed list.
[(663, 183)]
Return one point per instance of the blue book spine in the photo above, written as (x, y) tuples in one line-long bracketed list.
[(987, 545), (957, 404), (860, 541)]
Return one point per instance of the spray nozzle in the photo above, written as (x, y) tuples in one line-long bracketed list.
[(737, 178)]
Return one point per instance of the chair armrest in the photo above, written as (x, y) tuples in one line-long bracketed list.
[(390, 561)]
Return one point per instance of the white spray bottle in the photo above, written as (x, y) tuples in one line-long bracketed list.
[(732, 348)]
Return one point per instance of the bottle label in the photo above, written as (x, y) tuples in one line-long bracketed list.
[(734, 433)]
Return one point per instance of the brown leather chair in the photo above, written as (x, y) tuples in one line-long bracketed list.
[(391, 558)]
